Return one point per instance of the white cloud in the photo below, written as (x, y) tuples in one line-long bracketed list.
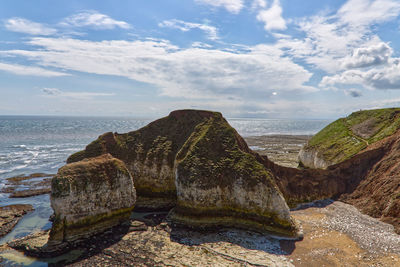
[(367, 12), (332, 38), (28, 27), (233, 6), (184, 26), (272, 17), (188, 73), (258, 4), (29, 70), (93, 19), (387, 77), (55, 92), (369, 56)]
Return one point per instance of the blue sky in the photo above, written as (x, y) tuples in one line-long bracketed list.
[(245, 58)]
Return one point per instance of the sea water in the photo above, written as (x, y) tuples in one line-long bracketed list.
[(41, 144)]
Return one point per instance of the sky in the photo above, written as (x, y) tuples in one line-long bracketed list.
[(244, 58)]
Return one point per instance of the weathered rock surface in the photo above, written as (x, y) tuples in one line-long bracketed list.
[(10, 215), (149, 154), (88, 197), (197, 157), (196, 161), (345, 137), (221, 182), (378, 194)]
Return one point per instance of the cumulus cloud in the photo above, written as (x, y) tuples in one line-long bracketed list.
[(272, 17), (330, 38), (29, 70), (369, 56), (184, 26), (233, 6), (93, 19), (29, 27), (189, 73), (55, 92), (387, 77)]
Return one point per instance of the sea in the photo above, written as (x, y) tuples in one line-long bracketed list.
[(41, 144)]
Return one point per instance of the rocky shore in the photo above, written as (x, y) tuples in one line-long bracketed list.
[(10, 215), (230, 204)]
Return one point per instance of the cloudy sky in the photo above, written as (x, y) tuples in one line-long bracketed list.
[(246, 58)]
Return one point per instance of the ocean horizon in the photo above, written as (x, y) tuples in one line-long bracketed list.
[(42, 143)]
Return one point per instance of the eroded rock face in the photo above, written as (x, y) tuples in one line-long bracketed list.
[(221, 182), (149, 154), (90, 196), (378, 194), (312, 158), (198, 158)]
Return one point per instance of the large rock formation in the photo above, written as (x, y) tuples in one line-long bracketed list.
[(221, 182), (149, 154), (88, 197), (196, 162), (198, 158), (346, 137)]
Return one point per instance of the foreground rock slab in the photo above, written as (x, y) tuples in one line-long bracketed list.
[(335, 234), (10, 215), (149, 241), (89, 197)]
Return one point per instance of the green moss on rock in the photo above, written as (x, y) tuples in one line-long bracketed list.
[(345, 137), (90, 196), (221, 182), (149, 153)]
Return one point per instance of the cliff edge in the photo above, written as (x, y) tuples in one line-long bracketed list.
[(345, 137)]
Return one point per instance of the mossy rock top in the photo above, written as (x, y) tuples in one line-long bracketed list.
[(346, 137), (160, 139), (219, 155), (95, 171)]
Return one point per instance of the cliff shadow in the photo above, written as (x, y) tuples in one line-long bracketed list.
[(314, 204), (236, 241)]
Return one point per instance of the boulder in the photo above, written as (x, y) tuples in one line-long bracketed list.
[(88, 197), (221, 182)]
